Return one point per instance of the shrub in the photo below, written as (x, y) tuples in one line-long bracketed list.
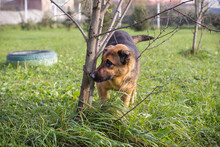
[(47, 21), (68, 23), (30, 25), (212, 19), (140, 12), (108, 18)]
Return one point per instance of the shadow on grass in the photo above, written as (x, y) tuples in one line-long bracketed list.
[(201, 55), (3, 65)]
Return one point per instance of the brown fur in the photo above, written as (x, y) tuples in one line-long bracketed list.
[(119, 69), (121, 73)]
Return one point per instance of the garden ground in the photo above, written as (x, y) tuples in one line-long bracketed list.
[(38, 104)]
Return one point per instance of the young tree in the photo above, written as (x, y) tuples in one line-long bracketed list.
[(201, 7)]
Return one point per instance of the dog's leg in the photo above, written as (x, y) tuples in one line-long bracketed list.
[(103, 93), (132, 97), (126, 98)]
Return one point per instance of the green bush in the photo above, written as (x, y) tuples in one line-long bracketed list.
[(47, 21), (140, 12), (212, 19), (30, 25), (108, 18), (68, 23)]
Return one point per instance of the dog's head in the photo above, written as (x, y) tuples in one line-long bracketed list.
[(116, 62)]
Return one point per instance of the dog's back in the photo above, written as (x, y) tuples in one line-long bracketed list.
[(122, 37)]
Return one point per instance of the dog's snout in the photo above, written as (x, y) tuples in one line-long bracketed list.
[(92, 75)]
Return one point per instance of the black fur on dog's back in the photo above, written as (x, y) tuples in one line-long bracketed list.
[(122, 37)]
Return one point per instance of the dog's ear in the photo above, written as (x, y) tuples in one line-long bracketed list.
[(124, 56), (107, 48)]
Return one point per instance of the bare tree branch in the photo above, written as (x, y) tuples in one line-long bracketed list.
[(147, 18), (123, 14), (195, 7), (173, 32), (152, 92), (64, 3), (169, 32), (112, 22), (168, 19), (91, 93), (105, 7), (200, 39), (78, 26), (108, 36), (155, 38), (196, 21)]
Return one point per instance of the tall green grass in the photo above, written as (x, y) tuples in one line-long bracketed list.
[(38, 104)]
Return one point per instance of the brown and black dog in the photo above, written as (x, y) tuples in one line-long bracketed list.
[(120, 66)]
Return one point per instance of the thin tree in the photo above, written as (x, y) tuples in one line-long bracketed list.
[(201, 7)]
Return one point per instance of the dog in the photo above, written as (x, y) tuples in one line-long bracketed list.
[(120, 67)]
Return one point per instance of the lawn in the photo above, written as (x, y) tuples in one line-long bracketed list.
[(38, 104)]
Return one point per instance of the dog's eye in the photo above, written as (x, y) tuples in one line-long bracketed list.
[(108, 63)]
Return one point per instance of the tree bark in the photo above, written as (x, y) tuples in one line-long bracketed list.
[(200, 9), (200, 40), (195, 34), (90, 56)]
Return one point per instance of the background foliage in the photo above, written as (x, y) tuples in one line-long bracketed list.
[(140, 12)]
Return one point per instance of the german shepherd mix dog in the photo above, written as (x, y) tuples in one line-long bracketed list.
[(120, 66)]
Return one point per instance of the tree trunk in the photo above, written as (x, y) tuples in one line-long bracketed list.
[(201, 7), (200, 40), (195, 34), (90, 56)]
